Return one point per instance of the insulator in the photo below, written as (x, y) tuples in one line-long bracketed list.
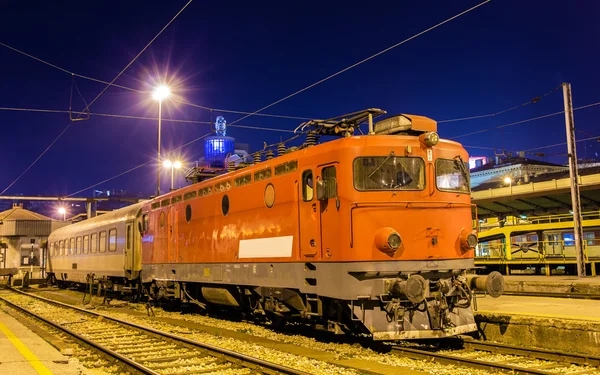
[(311, 140), (257, 157), (231, 166), (280, 149), (270, 154)]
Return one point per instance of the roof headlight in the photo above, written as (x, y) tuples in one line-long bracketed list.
[(431, 139)]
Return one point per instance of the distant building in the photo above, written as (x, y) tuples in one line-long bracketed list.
[(519, 169), (22, 234)]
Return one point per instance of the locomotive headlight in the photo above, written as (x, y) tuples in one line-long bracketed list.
[(468, 240), (472, 240), (387, 240), (394, 241), (431, 139)]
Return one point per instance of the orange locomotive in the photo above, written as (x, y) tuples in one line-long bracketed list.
[(365, 234)]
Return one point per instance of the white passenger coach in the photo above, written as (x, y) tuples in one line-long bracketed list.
[(108, 246)]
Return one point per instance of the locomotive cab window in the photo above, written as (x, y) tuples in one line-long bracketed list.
[(308, 189), (452, 175), (112, 240), (389, 173)]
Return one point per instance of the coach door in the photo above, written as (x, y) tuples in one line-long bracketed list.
[(309, 217), (129, 247), (326, 193)]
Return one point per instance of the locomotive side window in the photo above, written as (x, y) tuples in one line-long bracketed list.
[(94, 243), (86, 244), (389, 173), (452, 175), (112, 240), (188, 213), (78, 246), (225, 205), (308, 190), (102, 242)]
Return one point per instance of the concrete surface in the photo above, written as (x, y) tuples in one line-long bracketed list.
[(35, 356), (561, 324), (552, 284)]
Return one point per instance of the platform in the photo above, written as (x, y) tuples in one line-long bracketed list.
[(552, 284), (25, 353)]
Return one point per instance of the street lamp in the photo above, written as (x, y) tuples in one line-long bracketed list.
[(159, 94), (507, 180), (63, 211), (173, 165)]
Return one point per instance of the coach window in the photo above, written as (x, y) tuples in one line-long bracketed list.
[(86, 244), (61, 248), (102, 242), (307, 185), (94, 243), (145, 220), (112, 240), (72, 247), (78, 246)]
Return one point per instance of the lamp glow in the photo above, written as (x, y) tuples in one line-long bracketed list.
[(62, 210), (161, 92), (177, 164), (167, 164), (507, 180)]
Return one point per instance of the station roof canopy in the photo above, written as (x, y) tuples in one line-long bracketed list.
[(545, 194)]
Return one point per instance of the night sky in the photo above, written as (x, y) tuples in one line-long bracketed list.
[(248, 55)]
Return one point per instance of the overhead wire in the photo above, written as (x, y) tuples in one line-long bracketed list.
[(185, 102), (144, 118), (136, 167), (97, 96), (524, 121), (532, 101), (363, 60)]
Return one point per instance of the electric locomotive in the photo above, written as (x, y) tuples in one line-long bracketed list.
[(368, 234)]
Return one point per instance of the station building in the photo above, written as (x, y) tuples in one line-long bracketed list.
[(22, 236)]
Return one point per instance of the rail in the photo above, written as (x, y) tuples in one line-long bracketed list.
[(230, 356)]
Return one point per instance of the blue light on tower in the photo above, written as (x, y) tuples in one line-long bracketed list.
[(218, 147), (221, 126)]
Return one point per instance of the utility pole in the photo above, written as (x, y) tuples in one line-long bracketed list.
[(573, 173)]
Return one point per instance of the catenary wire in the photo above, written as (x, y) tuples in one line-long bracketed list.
[(136, 167), (362, 61), (532, 101), (524, 121), (145, 118), (210, 109), (96, 98)]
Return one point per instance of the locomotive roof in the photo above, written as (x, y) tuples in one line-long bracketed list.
[(116, 216)]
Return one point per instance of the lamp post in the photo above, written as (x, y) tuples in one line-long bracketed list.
[(508, 181), (63, 211), (160, 93), (173, 165)]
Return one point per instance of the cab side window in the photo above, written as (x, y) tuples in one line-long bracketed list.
[(307, 185)]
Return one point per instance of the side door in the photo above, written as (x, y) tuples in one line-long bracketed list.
[(329, 214), (129, 246), (309, 217)]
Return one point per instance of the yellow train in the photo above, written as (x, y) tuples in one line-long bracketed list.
[(543, 243)]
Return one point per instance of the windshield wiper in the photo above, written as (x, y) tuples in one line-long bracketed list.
[(461, 166), (381, 165)]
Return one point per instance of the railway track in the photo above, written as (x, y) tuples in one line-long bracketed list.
[(550, 362), (148, 351), (573, 295)]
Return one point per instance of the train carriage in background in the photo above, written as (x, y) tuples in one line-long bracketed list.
[(367, 234), (108, 246)]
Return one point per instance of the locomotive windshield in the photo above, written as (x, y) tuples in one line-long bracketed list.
[(389, 173), (452, 175)]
